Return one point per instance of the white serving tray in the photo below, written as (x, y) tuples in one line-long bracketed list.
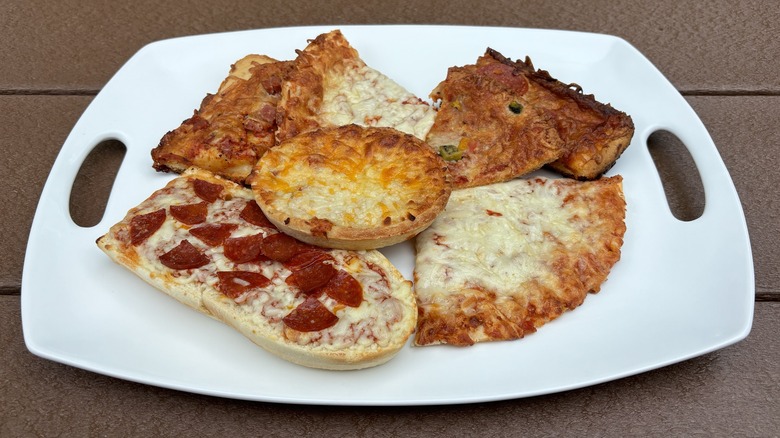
[(681, 289)]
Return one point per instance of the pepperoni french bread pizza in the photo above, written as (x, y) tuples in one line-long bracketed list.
[(204, 241)]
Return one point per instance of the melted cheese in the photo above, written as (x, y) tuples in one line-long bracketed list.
[(350, 181), (494, 237), (369, 324), (366, 97), (380, 192)]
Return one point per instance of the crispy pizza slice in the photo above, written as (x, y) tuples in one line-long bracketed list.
[(331, 85), (504, 259), (485, 128), (595, 133), (233, 128)]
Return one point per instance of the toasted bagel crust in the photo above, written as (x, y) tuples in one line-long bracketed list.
[(351, 187)]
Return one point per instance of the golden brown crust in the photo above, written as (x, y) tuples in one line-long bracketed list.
[(116, 243), (330, 85), (351, 187), (228, 311), (302, 92), (498, 135), (465, 310), (596, 134), (233, 128)]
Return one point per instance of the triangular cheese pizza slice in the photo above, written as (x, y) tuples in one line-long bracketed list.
[(233, 128), (504, 259), (332, 86)]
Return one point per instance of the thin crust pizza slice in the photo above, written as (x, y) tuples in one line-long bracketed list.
[(204, 241), (233, 128), (485, 127), (331, 85), (595, 133), (504, 259)]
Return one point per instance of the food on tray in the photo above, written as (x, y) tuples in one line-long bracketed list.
[(485, 128), (232, 128), (330, 85), (499, 119), (504, 259), (596, 134), (335, 156), (204, 241), (351, 187)]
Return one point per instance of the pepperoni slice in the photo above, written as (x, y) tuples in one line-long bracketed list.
[(255, 216), (244, 249), (213, 234), (190, 214), (312, 274), (235, 283), (144, 225), (310, 316), (207, 191), (344, 289), (307, 256), (281, 247), (184, 256)]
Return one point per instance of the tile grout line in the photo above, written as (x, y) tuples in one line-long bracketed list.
[(49, 92)]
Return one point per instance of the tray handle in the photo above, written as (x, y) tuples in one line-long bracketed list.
[(721, 201), (54, 207)]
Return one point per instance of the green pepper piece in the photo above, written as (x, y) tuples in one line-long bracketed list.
[(516, 107), (450, 152)]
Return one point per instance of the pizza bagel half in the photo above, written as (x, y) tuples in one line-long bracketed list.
[(351, 187)]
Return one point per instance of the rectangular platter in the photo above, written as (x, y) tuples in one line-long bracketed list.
[(680, 290)]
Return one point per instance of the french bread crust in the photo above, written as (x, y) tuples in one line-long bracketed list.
[(324, 356), (386, 316), (115, 244)]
